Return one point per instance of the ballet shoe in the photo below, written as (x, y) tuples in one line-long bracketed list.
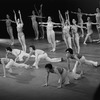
[(53, 50), (41, 37), (36, 39), (84, 43)]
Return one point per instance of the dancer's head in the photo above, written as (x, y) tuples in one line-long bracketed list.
[(7, 16), (88, 19), (74, 21), (33, 12), (97, 10), (69, 52), (48, 67), (79, 10), (32, 48), (49, 18), (8, 49)]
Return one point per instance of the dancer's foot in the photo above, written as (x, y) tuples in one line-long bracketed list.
[(84, 43), (41, 37), (36, 39), (12, 43), (53, 50)]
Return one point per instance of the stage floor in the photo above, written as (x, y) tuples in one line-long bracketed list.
[(27, 84)]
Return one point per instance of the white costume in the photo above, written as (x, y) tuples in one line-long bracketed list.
[(20, 54), (40, 54)]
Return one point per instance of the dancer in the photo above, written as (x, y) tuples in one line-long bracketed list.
[(35, 24), (50, 32), (66, 29), (75, 35), (9, 63), (80, 59), (9, 28), (42, 28), (89, 30), (21, 36), (64, 75), (97, 15), (80, 20), (61, 72), (40, 54), (19, 54)]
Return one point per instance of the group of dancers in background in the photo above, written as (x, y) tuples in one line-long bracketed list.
[(69, 33)]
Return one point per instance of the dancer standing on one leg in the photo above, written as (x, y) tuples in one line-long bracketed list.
[(21, 36), (75, 35), (97, 15), (50, 32), (9, 28), (80, 20), (66, 30), (80, 59), (40, 54), (89, 30)]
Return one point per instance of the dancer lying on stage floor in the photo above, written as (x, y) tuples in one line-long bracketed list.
[(9, 63), (19, 54), (40, 54), (80, 59), (62, 73)]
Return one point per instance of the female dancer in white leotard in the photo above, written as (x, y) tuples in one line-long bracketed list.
[(66, 29), (76, 35), (89, 30), (50, 32), (21, 36), (97, 15)]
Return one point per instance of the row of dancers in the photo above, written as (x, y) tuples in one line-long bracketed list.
[(69, 32), (65, 74)]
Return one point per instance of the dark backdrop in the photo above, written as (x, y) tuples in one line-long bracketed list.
[(50, 8)]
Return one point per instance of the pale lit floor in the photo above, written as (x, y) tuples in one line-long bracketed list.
[(28, 85)]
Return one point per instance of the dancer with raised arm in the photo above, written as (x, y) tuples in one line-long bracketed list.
[(89, 30), (80, 20), (21, 36), (75, 35), (97, 16), (9, 27), (66, 29), (50, 32), (35, 24)]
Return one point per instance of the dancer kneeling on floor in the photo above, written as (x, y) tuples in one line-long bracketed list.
[(9, 63), (61, 72), (40, 54), (80, 59), (64, 75)]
